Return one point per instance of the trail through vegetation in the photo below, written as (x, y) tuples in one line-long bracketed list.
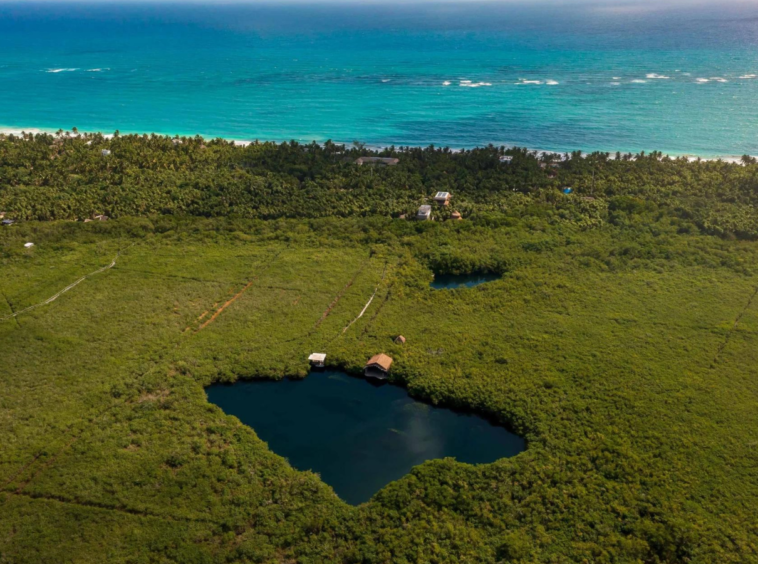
[(619, 338)]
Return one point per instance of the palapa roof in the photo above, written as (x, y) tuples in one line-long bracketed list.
[(317, 357), (381, 360), (442, 195)]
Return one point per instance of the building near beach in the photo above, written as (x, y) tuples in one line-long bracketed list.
[(386, 161), (424, 213)]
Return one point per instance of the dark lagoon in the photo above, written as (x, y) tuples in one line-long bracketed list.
[(357, 435), (449, 281)]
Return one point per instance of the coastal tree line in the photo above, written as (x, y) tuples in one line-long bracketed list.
[(73, 177)]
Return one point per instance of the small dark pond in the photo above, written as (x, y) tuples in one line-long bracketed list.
[(449, 281), (357, 435)]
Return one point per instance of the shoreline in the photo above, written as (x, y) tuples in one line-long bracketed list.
[(732, 159)]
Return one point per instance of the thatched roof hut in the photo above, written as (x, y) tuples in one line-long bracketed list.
[(378, 366)]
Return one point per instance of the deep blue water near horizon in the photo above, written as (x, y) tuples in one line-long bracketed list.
[(683, 80), (357, 435)]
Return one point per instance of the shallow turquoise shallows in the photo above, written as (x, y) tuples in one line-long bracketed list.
[(358, 436), (611, 76)]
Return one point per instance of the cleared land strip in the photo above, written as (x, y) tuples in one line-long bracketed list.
[(63, 291), (340, 294), (368, 303), (106, 507), (235, 296), (725, 342), (229, 302)]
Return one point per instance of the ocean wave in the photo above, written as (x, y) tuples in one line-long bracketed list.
[(702, 80), (748, 76), (718, 79), (446, 83), (551, 82), (615, 83), (655, 76), (524, 81), (638, 81), (469, 84), (61, 70), (97, 70)]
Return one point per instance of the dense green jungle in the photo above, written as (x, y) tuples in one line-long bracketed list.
[(620, 340)]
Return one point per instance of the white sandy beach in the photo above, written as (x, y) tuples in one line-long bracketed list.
[(734, 159)]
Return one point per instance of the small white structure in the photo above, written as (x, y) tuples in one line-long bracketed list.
[(506, 159), (424, 213), (176, 141), (105, 152), (28, 245), (442, 198), (317, 360)]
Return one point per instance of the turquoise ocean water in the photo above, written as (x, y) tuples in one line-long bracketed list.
[(602, 77)]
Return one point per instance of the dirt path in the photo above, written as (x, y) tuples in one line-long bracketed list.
[(339, 295), (725, 342), (63, 291), (226, 304), (368, 303)]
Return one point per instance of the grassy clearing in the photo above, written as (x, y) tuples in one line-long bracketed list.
[(630, 372)]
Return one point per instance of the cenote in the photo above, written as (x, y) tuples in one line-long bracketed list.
[(359, 436), (449, 281)]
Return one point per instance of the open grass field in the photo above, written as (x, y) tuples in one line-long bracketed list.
[(631, 375)]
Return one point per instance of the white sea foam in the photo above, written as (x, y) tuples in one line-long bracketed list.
[(655, 76), (524, 81), (446, 83), (718, 79), (97, 70), (615, 84), (616, 78), (61, 70), (701, 80), (551, 82), (385, 80), (748, 76), (638, 81), (469, 84), (687, 73)]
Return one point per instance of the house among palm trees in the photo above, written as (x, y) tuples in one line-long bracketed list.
[(386, 161), (442, 198), (424, 213)]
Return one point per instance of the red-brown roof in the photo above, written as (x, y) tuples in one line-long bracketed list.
[(381, 360)]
